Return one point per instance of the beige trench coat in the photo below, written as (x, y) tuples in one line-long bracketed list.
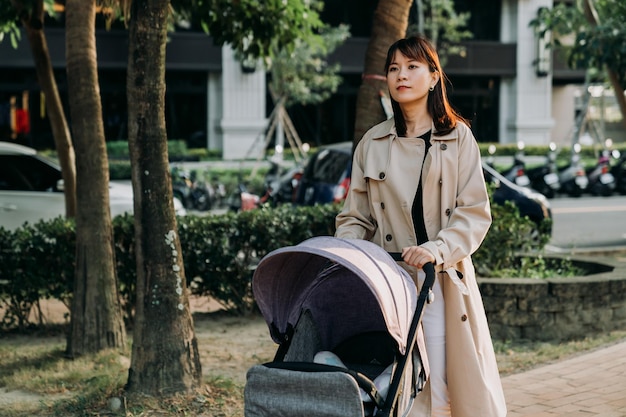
[(457, 217)]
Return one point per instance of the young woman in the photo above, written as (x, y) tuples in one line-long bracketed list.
[(417, 188)]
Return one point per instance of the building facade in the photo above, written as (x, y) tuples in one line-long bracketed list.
[(213, 102)]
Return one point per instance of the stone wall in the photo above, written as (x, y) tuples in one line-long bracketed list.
[(557, 309)]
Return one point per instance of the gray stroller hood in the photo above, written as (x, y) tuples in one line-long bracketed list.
[(373, 292)]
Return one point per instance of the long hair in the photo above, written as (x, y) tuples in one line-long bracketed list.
[(444, 116)]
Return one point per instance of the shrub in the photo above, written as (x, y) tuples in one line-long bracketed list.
[(509, 236), (119, 169), (219, 253), (39, 265)]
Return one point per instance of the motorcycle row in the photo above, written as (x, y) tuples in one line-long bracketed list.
[(605, 177), (194, 193), (200, 195), (279, 186)]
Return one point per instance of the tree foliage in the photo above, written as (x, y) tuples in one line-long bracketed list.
[(8, 23), (303, 75), (257, 29), (588, 46), (443, 25), (11, 11)]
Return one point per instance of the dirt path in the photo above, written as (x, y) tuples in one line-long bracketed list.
[(229, 346)]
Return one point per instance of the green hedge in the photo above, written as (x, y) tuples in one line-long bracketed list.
[(36, 263), (219, 252), (564, 152), (118, 149)]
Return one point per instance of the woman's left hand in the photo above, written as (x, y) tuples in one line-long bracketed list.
[(417, 256)]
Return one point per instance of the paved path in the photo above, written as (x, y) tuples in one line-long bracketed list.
[(591, 384)]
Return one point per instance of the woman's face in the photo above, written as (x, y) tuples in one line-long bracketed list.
[(409, 80)]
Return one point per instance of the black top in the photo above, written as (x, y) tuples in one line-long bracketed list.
[(418, 206)]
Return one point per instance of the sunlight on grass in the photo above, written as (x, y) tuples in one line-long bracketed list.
[(40, 367)]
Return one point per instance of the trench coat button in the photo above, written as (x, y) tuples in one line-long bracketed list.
[(448, 212), (381, 175), (443, 146), (464, 317), (440, 182), (388, 238), (382, 206)]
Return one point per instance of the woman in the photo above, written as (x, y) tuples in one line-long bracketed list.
[(417, 188)]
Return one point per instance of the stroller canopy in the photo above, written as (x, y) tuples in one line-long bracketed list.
[(371, 293)]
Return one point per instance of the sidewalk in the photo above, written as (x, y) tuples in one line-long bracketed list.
[(591, 384)]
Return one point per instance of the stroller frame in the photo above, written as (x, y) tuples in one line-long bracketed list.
[(422, 299)]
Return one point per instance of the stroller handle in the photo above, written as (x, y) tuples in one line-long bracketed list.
[(397, 256), (390, 402)]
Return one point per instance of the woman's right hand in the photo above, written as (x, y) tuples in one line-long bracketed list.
[(417, 256)]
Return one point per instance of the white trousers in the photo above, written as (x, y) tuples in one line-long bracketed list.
[(434, 326)]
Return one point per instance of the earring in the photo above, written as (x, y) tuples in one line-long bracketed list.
[(432, 87)]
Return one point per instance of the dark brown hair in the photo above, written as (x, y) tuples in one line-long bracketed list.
[(421, 49)]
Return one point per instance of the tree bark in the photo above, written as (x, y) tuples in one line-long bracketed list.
[(165, 358), (592, 17), (96, 321), (32, 20), (389, 24)]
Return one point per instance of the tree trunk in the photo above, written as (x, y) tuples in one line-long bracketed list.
[(390, 23), (32, 20), (592, 17), (165, 358), (96, 322)]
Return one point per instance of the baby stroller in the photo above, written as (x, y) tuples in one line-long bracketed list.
[(345, 316)]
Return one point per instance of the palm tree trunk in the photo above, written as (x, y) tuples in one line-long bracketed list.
[(165, 357), (32, 20), (97, 321), (390, 23)]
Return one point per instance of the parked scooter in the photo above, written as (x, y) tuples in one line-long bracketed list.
[(279, 187), (517, 172), (192, 192), (220, 192), (601, 180), (572, 177), (281, 182), (202, 193), (181, 186), (619, 171), (241, 199), (545, 178)]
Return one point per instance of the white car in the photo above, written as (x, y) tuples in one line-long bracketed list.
[(31, 189)]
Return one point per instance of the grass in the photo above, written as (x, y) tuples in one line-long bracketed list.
[(35, 369), (91, 386), (540, 267)]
